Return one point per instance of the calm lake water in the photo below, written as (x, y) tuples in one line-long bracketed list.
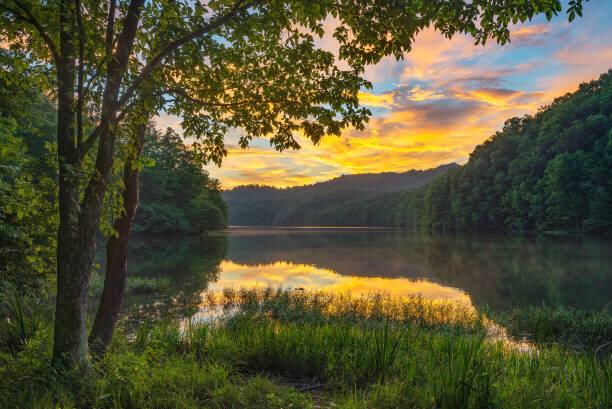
[(494, 271)]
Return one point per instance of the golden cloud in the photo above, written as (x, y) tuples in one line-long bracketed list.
[(373, 100)]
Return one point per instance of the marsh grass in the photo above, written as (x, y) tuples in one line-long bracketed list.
[(374, 352), (385, 349), (560, 326), (317, 307), (21, 317)]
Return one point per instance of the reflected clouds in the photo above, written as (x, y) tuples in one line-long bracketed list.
[(310, 277)]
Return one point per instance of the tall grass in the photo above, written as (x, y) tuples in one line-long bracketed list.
[(324, 307), (20, 317), (561, 326), (464, 377), (374, 352), (385, 349)]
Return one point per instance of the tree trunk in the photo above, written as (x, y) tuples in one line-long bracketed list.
[(71, 302), (79, 222), (116, 256)]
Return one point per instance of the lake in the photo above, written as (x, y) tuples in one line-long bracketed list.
[(498, 272)]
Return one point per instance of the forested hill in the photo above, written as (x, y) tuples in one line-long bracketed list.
[(305, 205), (548, 171)]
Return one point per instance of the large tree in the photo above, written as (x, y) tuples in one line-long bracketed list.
[(251, 65)]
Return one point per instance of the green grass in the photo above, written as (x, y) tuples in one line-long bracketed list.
[(562, 326), (20, 318), (374, 352)]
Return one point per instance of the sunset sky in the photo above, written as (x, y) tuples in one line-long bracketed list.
[(443, 99)]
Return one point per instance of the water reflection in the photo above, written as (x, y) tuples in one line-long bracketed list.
[(190, 263), (496, 271), (309, 277)]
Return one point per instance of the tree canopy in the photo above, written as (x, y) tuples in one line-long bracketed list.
[(548, 171), (221, 64)]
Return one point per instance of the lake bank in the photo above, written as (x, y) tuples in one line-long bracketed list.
[(378, 318), (307, 350)]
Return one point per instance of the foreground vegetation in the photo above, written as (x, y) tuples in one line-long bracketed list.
[(281, 349)]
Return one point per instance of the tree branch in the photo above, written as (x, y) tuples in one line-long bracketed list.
[(110, 31), (110, 28), (155, 61), (115, 66), (32, 20), (88, 143), (123, 113), (80, 94), (185, 95)]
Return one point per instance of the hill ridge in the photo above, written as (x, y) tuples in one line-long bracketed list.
[(260, 205), (346, 182)]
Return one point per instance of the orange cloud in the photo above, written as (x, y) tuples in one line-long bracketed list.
[(504, 99), (373, 100)]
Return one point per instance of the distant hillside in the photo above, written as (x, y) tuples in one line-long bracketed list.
[(254, 205)]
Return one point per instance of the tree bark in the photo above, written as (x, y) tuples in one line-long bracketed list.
[(79, 222), (71, 303), (117, 255)]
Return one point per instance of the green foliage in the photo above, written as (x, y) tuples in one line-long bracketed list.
[(177, 195), (28, 189), (21, 317), (549, 171)]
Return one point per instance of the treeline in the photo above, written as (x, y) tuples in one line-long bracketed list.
[(326, 203), (176, 194), (548, 171)]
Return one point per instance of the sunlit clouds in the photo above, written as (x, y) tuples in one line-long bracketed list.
[(442, 100)]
